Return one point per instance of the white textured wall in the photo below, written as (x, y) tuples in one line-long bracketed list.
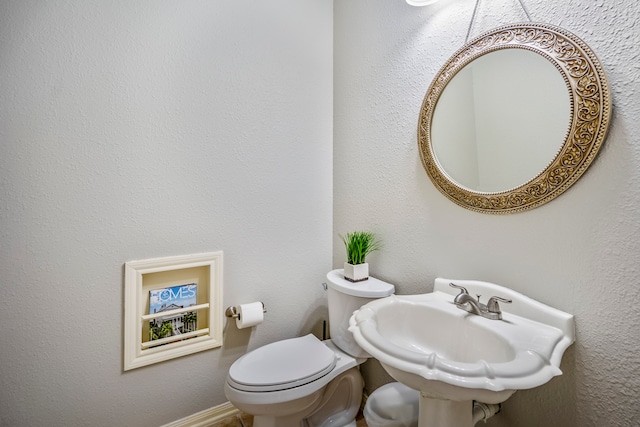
[(578, 253), (138, 129)]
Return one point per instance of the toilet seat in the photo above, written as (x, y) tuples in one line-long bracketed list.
[(282, 365)]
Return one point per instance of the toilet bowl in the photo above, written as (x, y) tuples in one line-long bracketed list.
[(283, 383), (305, 382)]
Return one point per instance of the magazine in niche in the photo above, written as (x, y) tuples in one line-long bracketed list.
[(168, 299)]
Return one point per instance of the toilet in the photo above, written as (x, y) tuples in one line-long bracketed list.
[(305, 382)]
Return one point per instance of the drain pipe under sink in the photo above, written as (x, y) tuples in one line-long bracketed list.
[(484, 411)]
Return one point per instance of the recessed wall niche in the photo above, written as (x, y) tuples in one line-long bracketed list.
[(173, 307)]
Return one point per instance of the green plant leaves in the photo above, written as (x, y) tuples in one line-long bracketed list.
[(359, 244)]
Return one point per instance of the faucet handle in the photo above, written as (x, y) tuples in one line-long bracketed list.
[(493, 306), (463, 290)]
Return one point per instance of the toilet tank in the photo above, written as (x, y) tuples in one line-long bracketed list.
[(344, 298)]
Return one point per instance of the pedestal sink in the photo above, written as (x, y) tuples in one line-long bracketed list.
[(454, 357)]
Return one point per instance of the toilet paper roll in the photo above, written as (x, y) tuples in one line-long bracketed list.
[(250, 315)]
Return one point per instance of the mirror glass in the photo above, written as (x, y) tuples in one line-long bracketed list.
[(514, 118), (501, 120)]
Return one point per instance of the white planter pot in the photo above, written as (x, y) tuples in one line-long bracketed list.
[(356, 273)]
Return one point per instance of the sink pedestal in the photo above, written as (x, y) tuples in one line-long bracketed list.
[(445, 413)]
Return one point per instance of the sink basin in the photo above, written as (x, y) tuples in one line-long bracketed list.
[(429, 344)]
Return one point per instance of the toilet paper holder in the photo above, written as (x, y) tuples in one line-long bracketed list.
[(232, 311)]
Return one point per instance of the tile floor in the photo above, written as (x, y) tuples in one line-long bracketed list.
[(240, 420), (246, 420)]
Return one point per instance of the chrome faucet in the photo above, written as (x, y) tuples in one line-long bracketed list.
[(466, 302)]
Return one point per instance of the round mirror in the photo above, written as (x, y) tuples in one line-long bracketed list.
[(514, 118), (480, 137)]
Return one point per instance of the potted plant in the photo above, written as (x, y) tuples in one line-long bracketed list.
[(359, 244)]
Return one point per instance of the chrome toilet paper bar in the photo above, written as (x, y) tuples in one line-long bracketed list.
[(232, 311)]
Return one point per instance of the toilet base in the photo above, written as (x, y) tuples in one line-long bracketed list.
[(335, 405)]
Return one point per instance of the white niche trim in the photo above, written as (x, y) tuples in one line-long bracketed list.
[(190, 320)]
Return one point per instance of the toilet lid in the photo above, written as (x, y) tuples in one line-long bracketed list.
[(370, 288), (282, 365)]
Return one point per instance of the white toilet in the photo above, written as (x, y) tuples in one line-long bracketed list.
[(305, 382)]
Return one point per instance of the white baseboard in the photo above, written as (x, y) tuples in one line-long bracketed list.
[(218, 413), (207, 417)]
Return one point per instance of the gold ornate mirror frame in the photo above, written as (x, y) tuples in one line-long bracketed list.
[(590, 116)]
